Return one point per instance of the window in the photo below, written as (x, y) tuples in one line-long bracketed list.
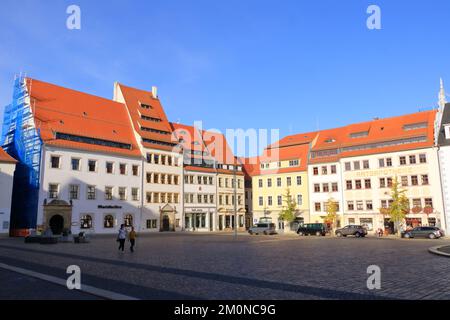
[(199, 198), (260, 183), (162, 198), (148, 197), (402, 161), (135, 194), (86, 222), (389, 182), (350, 205), (151, 223), (53, 190), (415, 126), (260, 201), (269, 183), (288, 181), (91, 192), (163, 160), (156, 159), (366, 164), (349, 184), (382, 182), (108, 222), (334, 187), (381, 163), (317, 207), (149, 158), (75, 163), (205, 180), (175, 180), (299, 180), (278, 182), (128, 220), (299, 199), (269, 200), (348, 166), (414, 181), (358, 184), (280, 200), (316, 171), (367, 184), (417, 203), (324, 170), (428, 202), (389, 162), (109, 167), (210, 180), (293, 163), (163, 179), (73, 191), (108, 193), (122, 193), (92, 165), (422, 158), (359, 205), (211, 198), (123, 168), (333, 169), (412, 159), (55, 162), (404, 181), (156, 197), (425, 179), (356, 165), (369, 205), (325, 187), (316, 187)]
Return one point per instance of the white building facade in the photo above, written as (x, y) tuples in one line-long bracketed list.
[(7, 168)]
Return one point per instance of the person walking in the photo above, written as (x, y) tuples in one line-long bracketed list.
[(132, 236), (121, 237)]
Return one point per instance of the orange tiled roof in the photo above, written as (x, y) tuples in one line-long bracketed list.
[(376, 131), (4, 157), (162, 130), (61, 110)]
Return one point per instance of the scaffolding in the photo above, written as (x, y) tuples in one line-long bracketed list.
[(20, 138)]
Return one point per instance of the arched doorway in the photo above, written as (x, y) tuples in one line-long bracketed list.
[(165, 223), (57, 224)]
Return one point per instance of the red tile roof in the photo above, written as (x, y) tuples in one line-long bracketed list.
[(161, 128), (376, 131), (61, 110), (4, 157)]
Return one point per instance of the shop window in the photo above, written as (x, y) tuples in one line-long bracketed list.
[(86, 222), (108, 222)]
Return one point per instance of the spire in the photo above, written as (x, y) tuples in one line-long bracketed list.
[(442, 100)]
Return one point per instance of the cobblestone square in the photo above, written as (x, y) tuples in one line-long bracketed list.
[(218, 266)]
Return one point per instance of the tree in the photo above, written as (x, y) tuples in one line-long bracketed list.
[(332, 208), (400, 205), (289, 208)]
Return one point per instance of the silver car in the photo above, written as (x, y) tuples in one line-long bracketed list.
[(264, 228)]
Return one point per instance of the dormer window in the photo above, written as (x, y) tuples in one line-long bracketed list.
[(415, 126), (359, 134), (146, 106), (331, 140)]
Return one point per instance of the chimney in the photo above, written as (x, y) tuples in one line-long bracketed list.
[(155, 92)]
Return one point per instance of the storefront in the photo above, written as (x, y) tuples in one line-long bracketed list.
[(199, 219)]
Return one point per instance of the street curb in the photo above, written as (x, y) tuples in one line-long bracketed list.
[(435, 250)]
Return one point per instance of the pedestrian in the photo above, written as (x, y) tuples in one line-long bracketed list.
[(132, 237), (121, 237), (380, 232)]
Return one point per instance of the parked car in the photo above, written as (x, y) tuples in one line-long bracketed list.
[(318, 229), (351, 230), (264, 228), (424, 232)]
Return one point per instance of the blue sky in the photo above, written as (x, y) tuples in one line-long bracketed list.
[(293, 65)]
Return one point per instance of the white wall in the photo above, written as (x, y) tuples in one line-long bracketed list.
[(444, 159), (6, 183), (65, 176)]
